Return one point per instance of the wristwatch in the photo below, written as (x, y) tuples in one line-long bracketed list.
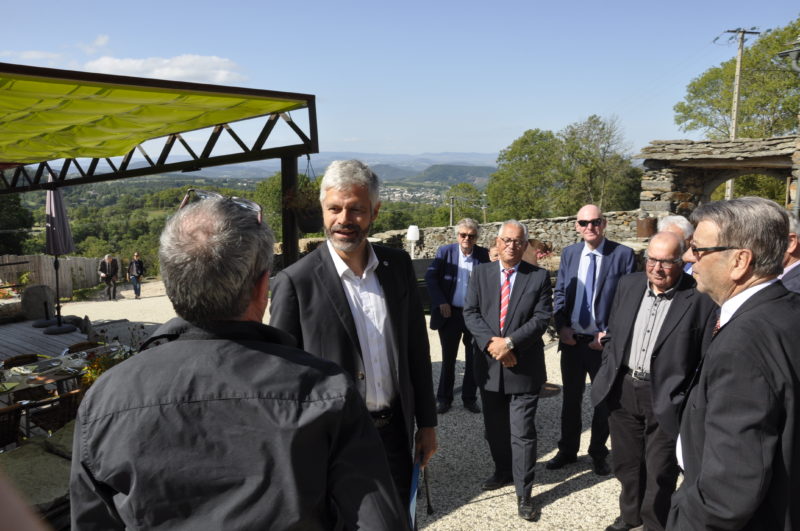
[(509, 343)]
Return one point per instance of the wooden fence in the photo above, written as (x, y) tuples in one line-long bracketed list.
[(74, 272)]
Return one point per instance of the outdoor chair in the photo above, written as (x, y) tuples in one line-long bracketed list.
[(53, 413), (19, 361), (9, 425), (31, 393)]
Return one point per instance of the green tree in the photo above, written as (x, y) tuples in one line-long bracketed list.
[(595, 168), (526, 171), (466, 201), (14, 222), (769, 92)]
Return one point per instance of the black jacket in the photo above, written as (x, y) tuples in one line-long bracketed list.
[(228, 428)]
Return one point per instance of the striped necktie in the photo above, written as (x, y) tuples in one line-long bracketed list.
[(505, 296)]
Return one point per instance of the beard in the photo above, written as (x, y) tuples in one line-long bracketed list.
[(350, 243)]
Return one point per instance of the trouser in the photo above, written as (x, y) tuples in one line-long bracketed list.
[(450, 333), (643, 455), (111, 288), (511, 433), (576, 362), (398, 453), (137, 286)]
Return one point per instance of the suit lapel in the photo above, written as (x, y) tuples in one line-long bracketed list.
[(491, 279), (387, 274), (681, 302), (605, 265), (331, 285), (517, 292), (628, 311)]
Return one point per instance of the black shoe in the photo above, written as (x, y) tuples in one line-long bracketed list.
[(559, 461), (442, 407), (472, 407), (526, 510), (496, 481), (600, 466), (620, 525)]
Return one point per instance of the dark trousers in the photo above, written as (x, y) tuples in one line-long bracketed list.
[(511, 433), (643, 455), (137, 286), (111, 288), (576, 362), (398, 453), (450, 333)]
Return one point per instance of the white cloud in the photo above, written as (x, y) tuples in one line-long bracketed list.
[(100, 42), (188, 67), (30, 55)]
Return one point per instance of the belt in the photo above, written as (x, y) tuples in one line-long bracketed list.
[(382, 418), (583, 338), (638, 375)]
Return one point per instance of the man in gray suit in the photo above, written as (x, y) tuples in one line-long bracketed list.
[(791, 260), (356, 304), (508, 307)]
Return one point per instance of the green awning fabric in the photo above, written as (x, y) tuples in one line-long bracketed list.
[(50, 114)]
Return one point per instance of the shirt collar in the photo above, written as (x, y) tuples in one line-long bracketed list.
[(342, 268), (597, 250), (730, 306)]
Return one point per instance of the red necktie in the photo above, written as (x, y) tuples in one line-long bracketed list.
[(505, 295)]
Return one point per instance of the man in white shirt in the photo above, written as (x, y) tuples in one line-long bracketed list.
[(739, 443), (357, 304)]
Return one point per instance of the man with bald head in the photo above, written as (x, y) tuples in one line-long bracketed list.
[(587, 280), (658, 326)]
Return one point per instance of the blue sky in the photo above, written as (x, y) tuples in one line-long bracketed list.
[(411, 77)]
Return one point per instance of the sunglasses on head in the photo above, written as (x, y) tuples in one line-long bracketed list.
[(207, 194), (594, 222)]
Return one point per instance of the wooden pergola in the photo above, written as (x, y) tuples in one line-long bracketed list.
[(81, 128)]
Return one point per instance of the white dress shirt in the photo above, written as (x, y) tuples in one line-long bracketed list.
[(726, 311), (368, 307), (465, 263), (583, 270)]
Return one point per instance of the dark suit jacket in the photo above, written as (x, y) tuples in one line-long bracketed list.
[(309, 302), (792, 280), (442, 275), (683, 336), (617, 260), (740, 428), (111, 270), (529, 311)]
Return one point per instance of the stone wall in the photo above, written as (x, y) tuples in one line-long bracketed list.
[(558, 232)]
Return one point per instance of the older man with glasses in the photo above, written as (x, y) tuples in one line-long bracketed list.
[(658, 327), (739, 443), (585, 286), (447, 279), (219, 422), (507, 310)]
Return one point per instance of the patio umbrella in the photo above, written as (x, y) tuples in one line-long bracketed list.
[(58, 241)]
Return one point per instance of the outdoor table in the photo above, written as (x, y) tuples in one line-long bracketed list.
[(57, 371)]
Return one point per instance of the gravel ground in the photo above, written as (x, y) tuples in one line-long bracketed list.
[(571, 498)]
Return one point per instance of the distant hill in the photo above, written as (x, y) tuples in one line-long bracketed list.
[(389, 173), (450, 174)]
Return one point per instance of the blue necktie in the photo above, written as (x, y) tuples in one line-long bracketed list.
[(585, 318)]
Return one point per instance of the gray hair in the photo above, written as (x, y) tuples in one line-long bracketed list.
[(468, 223), (345, 174), (793, 224), (212, 254), (515, 223), (106, 257), (753, 223), (679, 221)]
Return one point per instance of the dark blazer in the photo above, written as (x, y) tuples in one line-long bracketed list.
[(442, 275), (740, 428), (309, 302), (791, 280), (683, 337), (529, 311), (111, 270), (617, 260)]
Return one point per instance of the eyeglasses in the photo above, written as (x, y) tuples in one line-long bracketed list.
[(508, 242), (666, 264), (465, 236), (207, 194), (697, 250), (595, 222)]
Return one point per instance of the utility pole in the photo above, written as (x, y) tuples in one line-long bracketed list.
[(735, 107), (452, 207)]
